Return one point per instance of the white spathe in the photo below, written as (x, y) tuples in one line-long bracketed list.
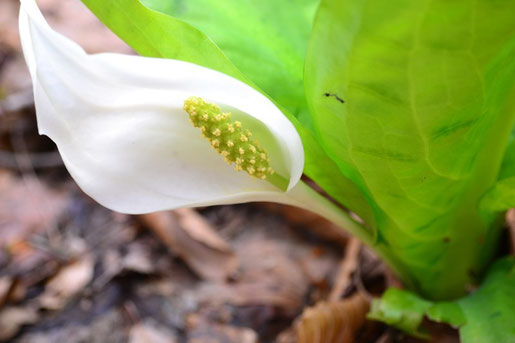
[(119, 125)]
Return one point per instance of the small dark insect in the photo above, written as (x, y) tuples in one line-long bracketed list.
[(335, 96)]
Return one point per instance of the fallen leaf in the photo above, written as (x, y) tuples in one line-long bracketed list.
[(137, 260), (198, 228), (69, 281), (29, 266), (333, 322), (206, 255), (13, 318), (6, 282), (149, 332)]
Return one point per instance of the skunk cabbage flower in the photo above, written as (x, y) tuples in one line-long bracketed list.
[(145, 134)]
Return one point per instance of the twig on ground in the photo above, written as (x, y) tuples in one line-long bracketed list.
[(348, 266)]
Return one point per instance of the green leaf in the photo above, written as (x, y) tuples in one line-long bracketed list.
[(402, 310), (265, 39), (490, 312), (486, 315), (447, 312), (155, 34), (414, 102), (320, 168), (502, 195)]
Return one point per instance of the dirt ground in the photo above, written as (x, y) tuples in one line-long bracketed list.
[(72, 271)]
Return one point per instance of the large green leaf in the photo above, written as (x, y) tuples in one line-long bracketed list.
[(502, 195), (414, 102), (155, 34), (265, 39), (487, 315)]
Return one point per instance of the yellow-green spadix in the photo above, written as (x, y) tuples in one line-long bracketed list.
[(119, 124)]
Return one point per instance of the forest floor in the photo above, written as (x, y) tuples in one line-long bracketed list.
[(72, 271)]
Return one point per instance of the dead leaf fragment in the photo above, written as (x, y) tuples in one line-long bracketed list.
[(69, 281), (148, 332), (138, 259), (333, 322), (13, 318), (6, 283), (195, 242), (198, 228)]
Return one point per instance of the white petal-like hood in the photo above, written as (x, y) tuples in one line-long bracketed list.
[(119, 125)]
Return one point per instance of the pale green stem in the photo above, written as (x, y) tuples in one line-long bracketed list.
[(307, 198)]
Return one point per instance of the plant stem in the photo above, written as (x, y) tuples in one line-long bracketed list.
[(307, 198)]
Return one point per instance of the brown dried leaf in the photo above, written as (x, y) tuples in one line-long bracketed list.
[(333, 322), (148, 332), (6, 283), (207, 256), (30, 266), (13, 318), (137, 259), (69, 281), (198, 228)]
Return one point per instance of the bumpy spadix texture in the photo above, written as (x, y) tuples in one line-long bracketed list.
[(229, 138), (119, 124)]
